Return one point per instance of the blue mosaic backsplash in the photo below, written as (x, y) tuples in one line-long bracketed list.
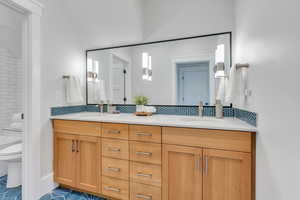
[(247, 116), (209, 111)]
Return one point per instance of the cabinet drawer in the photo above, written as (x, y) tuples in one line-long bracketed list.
[(145, 152), (145, 173), (115, 148), (115, 168), (144, 192), (77, 127), (118, 131), (145, 133), (214, 139), (115, 188)]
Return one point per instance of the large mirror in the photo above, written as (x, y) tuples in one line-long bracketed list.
[(174, 72)]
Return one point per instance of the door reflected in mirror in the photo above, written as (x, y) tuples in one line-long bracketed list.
[(174, 72)]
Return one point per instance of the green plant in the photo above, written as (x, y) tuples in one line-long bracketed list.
[(141, 100)]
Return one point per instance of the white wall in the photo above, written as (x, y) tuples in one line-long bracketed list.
[(11, 69), (68, 29), (267, 36), (62, 53), (177, 18)]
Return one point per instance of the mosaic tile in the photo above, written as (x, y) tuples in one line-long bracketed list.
[(67, 110), (66, 194), (249, 117), (9, 193), (246, 116)]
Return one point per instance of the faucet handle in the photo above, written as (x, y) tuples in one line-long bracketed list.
[(200, 103)]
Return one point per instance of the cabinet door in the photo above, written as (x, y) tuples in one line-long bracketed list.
[(226, 175), (88, 163), (182, 173), (64, 159)]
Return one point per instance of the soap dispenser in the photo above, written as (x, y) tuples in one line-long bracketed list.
[(219, 109)]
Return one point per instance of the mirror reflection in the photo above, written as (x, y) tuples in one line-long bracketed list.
[(177, 72)]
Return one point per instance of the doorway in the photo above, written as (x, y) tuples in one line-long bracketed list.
[(192, 83)]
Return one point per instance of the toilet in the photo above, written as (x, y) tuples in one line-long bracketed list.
[(11, 155)]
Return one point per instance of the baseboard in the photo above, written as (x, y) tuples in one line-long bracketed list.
[(47, 184)]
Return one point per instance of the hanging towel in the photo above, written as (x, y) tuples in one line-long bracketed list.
[(73, 91), (231, 86), (17, 126), (100, 92), (221, 89)]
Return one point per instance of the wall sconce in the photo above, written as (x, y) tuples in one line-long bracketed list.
[(92, 70), (219, 68), (147, 67)]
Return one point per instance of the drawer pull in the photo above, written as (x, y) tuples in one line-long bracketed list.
[(144, 134), (142, 196), (146, 154), (73, 145), (114, 149), (114, 132), (144, 175), (112, 189), (113, 169)]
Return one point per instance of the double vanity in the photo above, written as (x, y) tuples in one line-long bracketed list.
[(152, 158)]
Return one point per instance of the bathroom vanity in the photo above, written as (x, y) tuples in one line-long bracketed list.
[(153, 158)]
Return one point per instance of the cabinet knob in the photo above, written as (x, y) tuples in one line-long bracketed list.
[(146, 154), (73, 146), (144, 175), (142, 196), (112, 189), (114, 149), (114, 132), (144, 134), (206, 165), (113, 169)]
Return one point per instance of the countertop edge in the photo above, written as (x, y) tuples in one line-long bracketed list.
[(231, 128)]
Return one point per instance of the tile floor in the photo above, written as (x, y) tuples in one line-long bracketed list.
[(66, 194), (9, 194)]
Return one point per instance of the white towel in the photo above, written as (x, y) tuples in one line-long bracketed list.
[(16, 117), (221, 89), (100, 92), (231, 86), (18, 126), (73, 91)]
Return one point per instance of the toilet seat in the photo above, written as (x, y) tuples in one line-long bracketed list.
[(11, 152)]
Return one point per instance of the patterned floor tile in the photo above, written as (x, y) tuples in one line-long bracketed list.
[(9, 193), (66, 194)]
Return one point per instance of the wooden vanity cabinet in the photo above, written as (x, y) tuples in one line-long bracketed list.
[(182, 173), (77, 158), (199, 172), (139, 162)]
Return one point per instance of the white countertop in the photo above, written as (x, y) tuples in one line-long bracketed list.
[(162, 120)]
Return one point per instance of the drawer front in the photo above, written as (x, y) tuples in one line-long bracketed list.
[(115, 168), (115, 148), (117, 131), (145, 173), (215, 139), (144, 192), (145, 133), (77, 127), (115, 188), (145, 152)]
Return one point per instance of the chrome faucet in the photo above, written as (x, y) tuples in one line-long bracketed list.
[(100, 106), (200, 109)]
